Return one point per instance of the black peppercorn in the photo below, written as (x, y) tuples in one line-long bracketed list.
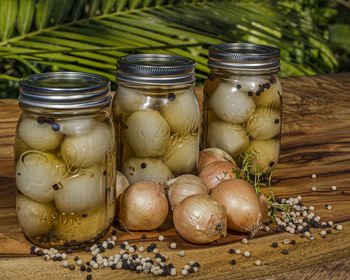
[(231, 251), (113, 266), (277, 121), (83, 268), (258, 92), (55, 126), (239, 86), (41, 120), (89, 269), (196, 264), (76, 258), (233, 262), (285, 251), (114, 232), (143, 236), (293, 242), (110, 246), (171, 96), (69, 251), (71, 267), (191, 270), (143, 165), (274, 245), (88, 277), (250, 93), (55, 187)]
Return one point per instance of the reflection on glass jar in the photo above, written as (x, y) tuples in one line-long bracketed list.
[(243, 104), (65, 159), (157, 117)]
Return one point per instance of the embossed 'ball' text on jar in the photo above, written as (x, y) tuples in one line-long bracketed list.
[(65, 159), (157, 117), (243, 104)]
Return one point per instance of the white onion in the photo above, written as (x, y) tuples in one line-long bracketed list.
[(81, 227), (264, 124), (230, 104), (146, 169), (226, 136), (183, 186), (143, 206), (39, 136), (182, 113), (181, 156), (87, 149), (200, 219), (34, 217), (36, 173), (250, 83), (76, 126), (265, 155), (271, 96), (121, 183), (147, 133), (242, 205), (130, 99), (216, 172), (82, 191), (210, 155)]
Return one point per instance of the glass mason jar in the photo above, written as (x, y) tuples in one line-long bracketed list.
[(243, 105), (157, 117), (65, 159)]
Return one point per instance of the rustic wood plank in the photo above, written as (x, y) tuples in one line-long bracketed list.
[(315, 139)]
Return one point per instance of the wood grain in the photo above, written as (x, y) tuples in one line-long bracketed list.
[(315, 139)]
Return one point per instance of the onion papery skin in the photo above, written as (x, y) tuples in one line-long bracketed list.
[(183, 186), (242, 205), (121, 183), (216, 172), (34, 217), (143, 206), (211, 155), (200, 219)]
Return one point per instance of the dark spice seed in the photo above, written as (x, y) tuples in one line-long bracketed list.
[(71, 267), (143, 165), (171, 96), (114, 232), (76, 258), (233, 262), (163, 259), (135, 256), (50, 120), (116, 223), (258, 93), (87, 249), (267, 85), (89, 277), (239, 86), (293, 242), (196, 264), (134, 246), (55, 126), (89, 269), (94, 258), (113, 266), (329, 231), (324, 236), (110, 246), (59, 258), (191, 270), (102, 249), (69, 251), (250, 93), (41, 120), (158, 255), (122, 246), (99, 244), (83, 268), (231, 251), (143, 236), (104, 172), (55, 187), (88, 263), (39, 253), (274, 245), (272, 163), (277, 121), (284, 251)]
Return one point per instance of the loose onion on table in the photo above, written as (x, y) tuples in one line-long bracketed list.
[(228, 137), (82, 226), (182, 112), (265, 155), (34, 217), (200, 219), (181, 156), (183, 186), (230, 104), (38, 136), (264, 124), (242, 204), (83, 150), (210, 155), (146, 169), (143, 206), (121, 183), (82, 191), (147, 133), (216, 172), (36, 173)]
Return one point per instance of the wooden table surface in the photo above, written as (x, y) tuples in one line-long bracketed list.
[(315, 139)]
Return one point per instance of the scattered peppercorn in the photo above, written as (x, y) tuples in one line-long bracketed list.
[(88, 277), (274, 245), (250, 93), (71, 267), (143, 236), (55, 126), (233, 262), (239, 86), (55, 187), (231, 251), (284, 251), (293, 242), (41, 120), (69, 251), (83, 268), (143, 165), (171, 96)]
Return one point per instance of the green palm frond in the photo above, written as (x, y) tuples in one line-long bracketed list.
[(89, 35)]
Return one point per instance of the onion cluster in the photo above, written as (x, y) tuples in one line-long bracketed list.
[(245, 116), (159, 132)]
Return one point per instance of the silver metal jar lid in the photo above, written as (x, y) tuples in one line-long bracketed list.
[(65, 90), (156, 69), (244, 56)]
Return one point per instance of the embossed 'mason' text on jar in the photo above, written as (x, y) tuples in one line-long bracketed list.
[(243, 104), (65, 159), (157, 117)]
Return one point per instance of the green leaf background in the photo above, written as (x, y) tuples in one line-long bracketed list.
[(88, 35)]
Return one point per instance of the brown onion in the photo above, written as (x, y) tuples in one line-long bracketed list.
[(121, 183), (264, 204), (242, 205), (200, 219), (183, 186), (216, 172), (143, 206), (210, 155)]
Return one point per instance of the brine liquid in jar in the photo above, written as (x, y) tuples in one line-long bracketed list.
[(243, 105), (65, 159), (157, 117)]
